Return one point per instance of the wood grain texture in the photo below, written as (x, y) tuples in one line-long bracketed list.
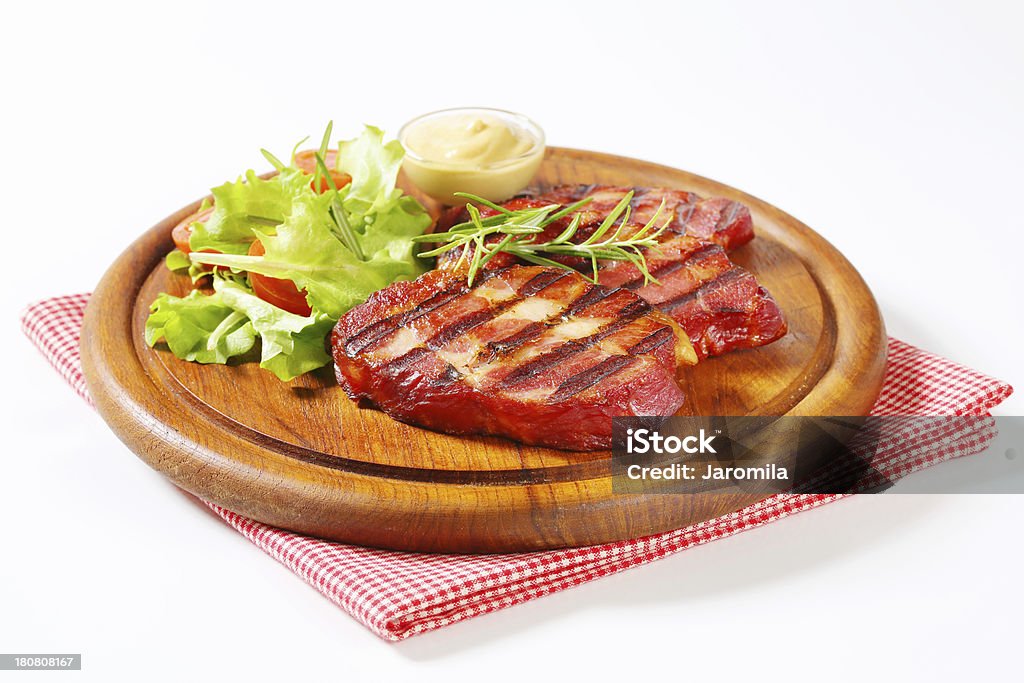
[(302, 456)]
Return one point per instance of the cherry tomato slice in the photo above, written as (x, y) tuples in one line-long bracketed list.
[(282, 293), (306, 160), (183, 230)]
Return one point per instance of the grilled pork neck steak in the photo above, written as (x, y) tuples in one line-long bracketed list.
[(538, 355), (717, 220), (720, 305)]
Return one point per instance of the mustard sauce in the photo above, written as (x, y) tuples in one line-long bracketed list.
[(485, 152)]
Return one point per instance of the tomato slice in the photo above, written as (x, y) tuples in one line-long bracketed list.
[(183, 230), (282, 293), (306, 160), (340, 181)]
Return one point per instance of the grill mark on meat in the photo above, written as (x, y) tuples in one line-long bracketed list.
[(660, 272), (541, 282), (531, 287), (450, 376), (545, 361), (371, 334), (503, 347), (462, 325), (571, 347), (590, 297), (732, 274), (467, 323), (588, 378), (706, 249), (652, 341), (404, 361), (634, 310)]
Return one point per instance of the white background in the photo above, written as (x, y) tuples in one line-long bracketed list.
[(893, 129)]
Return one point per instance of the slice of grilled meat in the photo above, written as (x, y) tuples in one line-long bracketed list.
[(538, 355), (717, 219), (720, 305)]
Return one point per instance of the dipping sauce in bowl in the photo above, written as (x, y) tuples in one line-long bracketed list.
[(486, 152)]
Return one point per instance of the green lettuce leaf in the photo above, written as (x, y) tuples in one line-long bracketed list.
[(374, 167), (213, 328), (290, 344), (178, 260), (199, 328), (244, 205), (392, 228), (305, 251)]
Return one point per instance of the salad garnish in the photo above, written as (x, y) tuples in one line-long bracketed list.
[(290, 254)]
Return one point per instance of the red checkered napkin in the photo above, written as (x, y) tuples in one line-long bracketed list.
[(398, 595)]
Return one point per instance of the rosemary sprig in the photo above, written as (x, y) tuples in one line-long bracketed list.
[(274, 161), (341, 228), (321, 168), (295, 149), (519, 228)]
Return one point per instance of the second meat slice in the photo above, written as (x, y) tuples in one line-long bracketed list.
[(534, 354), (720, 305)]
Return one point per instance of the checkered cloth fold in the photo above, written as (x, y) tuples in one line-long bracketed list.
[(397, 595)]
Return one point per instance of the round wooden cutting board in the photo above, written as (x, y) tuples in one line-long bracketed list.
[(302, 456)]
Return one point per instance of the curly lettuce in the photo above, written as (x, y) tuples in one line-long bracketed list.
[(214, 328), (303, 249), (338, 247), (248, 203), (198, 327)]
